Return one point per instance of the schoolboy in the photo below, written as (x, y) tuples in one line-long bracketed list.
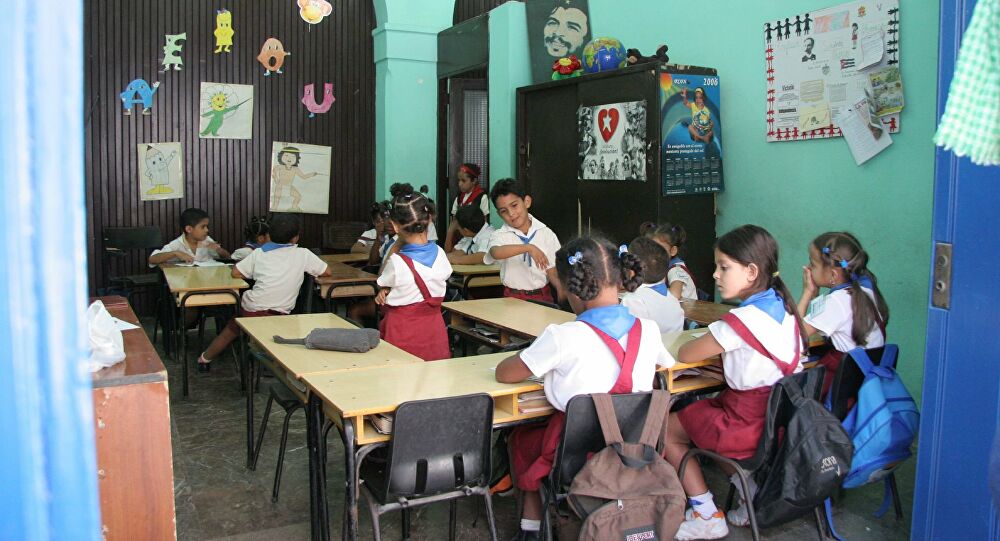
[(652, 300), (193, 244), (475, 241)]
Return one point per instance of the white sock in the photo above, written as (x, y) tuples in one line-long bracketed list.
[(202, 359), (703, 504), (735, 480), (529, 525)]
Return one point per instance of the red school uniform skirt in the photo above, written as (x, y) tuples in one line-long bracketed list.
[(417, 328), (729, 424), (831, 360)]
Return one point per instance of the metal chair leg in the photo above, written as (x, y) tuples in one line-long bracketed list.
[(729, 497), (452, 519), (820, 523), (404, 515), (260, 437), (490, 518), (895, 496), (281, 453)]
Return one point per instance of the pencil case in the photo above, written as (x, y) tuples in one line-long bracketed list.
[(348, 340)]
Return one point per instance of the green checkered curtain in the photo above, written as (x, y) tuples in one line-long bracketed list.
[(971, 122)]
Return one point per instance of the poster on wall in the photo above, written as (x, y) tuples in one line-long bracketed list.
[(300, 178), (612, 141), (161, 171), (691, 131), (820, 63), (556, 28), (226, 111)]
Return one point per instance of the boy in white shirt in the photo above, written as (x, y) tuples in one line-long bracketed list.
[(194, 244), (476, 234), (652, 300), (524, 247), (277, 268)]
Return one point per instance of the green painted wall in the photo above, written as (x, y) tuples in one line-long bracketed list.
[(799, 189)]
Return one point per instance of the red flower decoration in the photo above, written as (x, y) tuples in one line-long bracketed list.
[(567, 65)]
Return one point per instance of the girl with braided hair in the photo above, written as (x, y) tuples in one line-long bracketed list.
[(256, 233)]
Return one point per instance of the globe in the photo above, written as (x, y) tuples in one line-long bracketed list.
[(603, 54)]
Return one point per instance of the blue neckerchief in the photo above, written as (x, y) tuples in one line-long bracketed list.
[(661, 288), (526, 240), (425, 253), (614, 320), (675, 261), (768, 302), (268, 246), (386, 244), (252, 245), (468, 249), (863, 281)]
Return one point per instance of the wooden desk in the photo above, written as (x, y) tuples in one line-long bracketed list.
[(703, 312), (345, 281), (468, 276), (131, 399), (199, 286), (353, 257), (513, 317)]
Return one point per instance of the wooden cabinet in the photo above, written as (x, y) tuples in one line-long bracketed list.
[(132, 428)]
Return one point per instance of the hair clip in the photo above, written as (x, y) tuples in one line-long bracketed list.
[(623, 249), (826, 250), (575, 258), (775, 274), (843, 264)]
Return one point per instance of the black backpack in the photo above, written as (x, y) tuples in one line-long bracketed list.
[(810, 463)]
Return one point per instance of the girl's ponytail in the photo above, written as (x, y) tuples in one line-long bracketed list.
[(786, 297)]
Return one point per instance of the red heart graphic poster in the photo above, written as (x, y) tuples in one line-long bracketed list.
[(612, 141)]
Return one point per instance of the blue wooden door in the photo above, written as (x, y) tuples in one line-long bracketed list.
[(961, 409)]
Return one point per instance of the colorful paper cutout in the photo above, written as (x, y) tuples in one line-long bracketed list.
[(309, 99), (161, 171), (172, 51), (139, 91), (272, 56), (226, 111), (313, 11), (223, 30), (291, 161)]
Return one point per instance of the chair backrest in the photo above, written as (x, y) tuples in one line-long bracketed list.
[(582, 434), (342, 235), (847, 382), (439, 445), (132, 238), (780, 410)]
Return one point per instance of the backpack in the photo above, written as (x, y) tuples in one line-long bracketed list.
[(627, 491), (810, 463)]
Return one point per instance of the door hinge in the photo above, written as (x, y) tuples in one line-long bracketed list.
[(941, 285)]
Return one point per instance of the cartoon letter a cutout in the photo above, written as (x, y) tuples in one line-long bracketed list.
[(309, 98)]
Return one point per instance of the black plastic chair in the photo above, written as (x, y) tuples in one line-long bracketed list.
[(118, 243), (779, 412), (440, 450), (291, 403), (847, 382), (581, 437)]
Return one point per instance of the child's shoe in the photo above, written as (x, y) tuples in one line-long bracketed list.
[(697, 527), (204, 365), (739, 516)]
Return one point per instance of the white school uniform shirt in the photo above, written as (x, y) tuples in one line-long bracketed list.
[(477, 244), (484, 205), (178, 245), (832, 315), (404, 291), (432, 232), (744, 368), (367, 239), (665, 310), (689, 292), (573, 360), (278, 276), (515, 272)]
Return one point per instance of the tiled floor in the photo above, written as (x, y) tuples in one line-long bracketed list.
[(218, 498)]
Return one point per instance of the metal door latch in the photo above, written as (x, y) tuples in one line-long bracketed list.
[(941, 286)]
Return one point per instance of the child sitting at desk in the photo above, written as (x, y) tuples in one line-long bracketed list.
[(606, 350), (192, 245), (277, 269), (673, 237), (373, 239), (476, 233), (652, 300), (524, 247), (256, 235), (413, 280), (760, 341)]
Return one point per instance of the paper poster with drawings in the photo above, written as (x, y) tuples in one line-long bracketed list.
[(225, 111), (820, 63), (161, 171), (300, 178), (612, 141)]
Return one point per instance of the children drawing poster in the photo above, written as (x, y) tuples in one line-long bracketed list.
[(225, 111), (691, 131), (161, 171), (300, 178), (612, 141), (818, 65)]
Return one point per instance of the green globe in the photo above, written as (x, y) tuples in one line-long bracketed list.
[(603, 54)]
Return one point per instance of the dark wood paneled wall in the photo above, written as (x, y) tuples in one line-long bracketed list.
[(229, 178), (467, 9)]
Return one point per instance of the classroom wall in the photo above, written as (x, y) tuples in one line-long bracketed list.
[(229, 178), (796, 189)]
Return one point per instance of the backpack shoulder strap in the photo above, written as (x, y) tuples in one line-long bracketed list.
[(741, 329), (655, 429), (607, 419), (862, 359), (889, 356)]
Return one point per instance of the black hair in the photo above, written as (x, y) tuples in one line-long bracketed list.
[(507, 186), (598, 265), (843, 250), (410, 209), (752, 244), (430, 202), (258, 226), (474, 169), (379, 208), (192, 217), (290, 150), (654, 258), (284, 228), (470, 217), (675, 234)]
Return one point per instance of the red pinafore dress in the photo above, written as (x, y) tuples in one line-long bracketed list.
[(731, 423), (417, 328), (533, 447)]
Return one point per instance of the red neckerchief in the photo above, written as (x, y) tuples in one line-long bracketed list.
[(470, 197)]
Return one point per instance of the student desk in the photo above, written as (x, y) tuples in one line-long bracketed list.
[(468, 276), (199, 287), (132, 437), (291, 362), (703, 312), (345, 281), (513, 317), (347, 398), (351, 258)]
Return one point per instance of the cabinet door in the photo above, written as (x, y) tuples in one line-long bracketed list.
[(696, 213)]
